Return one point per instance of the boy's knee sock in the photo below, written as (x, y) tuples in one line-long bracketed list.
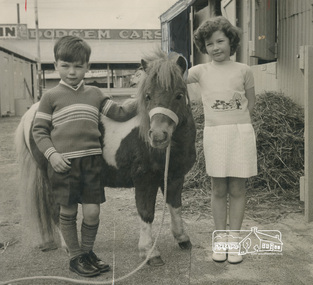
[(89, 233), (68, 229)]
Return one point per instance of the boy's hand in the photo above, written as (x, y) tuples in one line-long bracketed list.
[(59, 163)]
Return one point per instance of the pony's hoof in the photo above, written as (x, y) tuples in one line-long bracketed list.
[(185, 245), (155, 261)]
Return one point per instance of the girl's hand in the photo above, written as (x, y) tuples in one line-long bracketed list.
[(59, 163)]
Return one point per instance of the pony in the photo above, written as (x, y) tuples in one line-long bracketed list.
[(133, 155)]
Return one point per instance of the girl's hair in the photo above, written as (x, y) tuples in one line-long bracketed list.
[(72, 49), (220, 23)]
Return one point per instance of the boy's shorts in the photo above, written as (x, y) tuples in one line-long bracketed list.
[(82, 184)]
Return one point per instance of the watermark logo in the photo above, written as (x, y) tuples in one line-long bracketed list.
[(248, 242)]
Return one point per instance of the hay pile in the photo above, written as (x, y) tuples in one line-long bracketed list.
[(279, 128)]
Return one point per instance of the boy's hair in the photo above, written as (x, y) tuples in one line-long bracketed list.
[(220, 23), (72, 49)]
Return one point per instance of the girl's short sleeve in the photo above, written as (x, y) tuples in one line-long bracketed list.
[(193, 75), (249, 78)]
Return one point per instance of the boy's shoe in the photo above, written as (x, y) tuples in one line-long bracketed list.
[(219, 256), (234, 258), (97, 262), (81, 266)]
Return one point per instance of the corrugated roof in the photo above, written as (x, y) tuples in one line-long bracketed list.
[(17, 50)]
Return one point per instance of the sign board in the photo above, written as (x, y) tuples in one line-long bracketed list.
[(13, 32), (21, 32)]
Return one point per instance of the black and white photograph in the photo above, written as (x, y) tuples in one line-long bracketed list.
[(165, 142)]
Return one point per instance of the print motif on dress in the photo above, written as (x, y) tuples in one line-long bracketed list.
[(233, 104)]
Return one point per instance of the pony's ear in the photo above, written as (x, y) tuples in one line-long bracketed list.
[(144, 65), (182, 63)]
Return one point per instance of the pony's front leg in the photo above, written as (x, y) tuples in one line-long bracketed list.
[(145, 202), (146, 243), (173, 200)]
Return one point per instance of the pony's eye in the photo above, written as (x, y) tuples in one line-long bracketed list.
[(148, 98), (179, 96)]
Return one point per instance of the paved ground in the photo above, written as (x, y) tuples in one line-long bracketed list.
[(118, 238)]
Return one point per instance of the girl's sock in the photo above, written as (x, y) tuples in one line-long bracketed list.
[(68, 229), (89, 233)]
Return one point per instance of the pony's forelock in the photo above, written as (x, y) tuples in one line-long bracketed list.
[(162, 72)]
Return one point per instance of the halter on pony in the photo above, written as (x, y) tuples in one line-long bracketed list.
[(166, 112)]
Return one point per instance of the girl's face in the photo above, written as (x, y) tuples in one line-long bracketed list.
[(71, 73), (218, 47)]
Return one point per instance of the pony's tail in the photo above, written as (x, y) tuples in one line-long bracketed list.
[(39, 213)]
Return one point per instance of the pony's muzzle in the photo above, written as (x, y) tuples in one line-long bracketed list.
[(162, 124), (158, 139)]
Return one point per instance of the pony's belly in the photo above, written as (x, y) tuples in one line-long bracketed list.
[(115, 132)]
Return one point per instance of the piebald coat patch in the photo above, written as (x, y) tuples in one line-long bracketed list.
[(115, 132)]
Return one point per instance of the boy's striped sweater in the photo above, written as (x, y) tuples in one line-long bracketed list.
[(67, 120)]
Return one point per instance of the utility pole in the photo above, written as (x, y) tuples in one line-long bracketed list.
[(39, 72)]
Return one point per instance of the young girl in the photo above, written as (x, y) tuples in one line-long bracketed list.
[(227, 91)]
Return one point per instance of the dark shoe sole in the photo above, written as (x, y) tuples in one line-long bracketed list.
[(105, 269), (96, 273), (219, 261)]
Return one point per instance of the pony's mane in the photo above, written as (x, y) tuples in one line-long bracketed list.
[(162, 71)]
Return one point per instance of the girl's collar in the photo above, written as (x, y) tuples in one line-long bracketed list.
[(225, 62), (69, 86)]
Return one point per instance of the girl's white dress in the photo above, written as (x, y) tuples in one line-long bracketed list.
[(229, 140), (230, 151)]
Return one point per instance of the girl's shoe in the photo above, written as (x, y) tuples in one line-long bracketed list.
[(220, 251), (234, 258), (219, 256)]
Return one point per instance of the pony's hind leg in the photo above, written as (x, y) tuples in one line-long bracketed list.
[(178, 229), (174, 205)]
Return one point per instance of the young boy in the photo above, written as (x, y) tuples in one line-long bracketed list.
[(66, 132)]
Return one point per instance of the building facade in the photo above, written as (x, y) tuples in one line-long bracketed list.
[(18, 80), (115, 57)]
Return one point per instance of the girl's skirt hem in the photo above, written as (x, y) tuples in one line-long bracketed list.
[(230, 151)]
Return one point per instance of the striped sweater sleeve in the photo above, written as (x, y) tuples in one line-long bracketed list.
[(117, 112), (42, 127)]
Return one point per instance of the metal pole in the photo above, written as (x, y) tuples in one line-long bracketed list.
[(38, 51), (308, 132), (108, 78), (18, 13), (192, 56)]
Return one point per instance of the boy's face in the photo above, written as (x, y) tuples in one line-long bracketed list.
[(218, 47), (71, 73)]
